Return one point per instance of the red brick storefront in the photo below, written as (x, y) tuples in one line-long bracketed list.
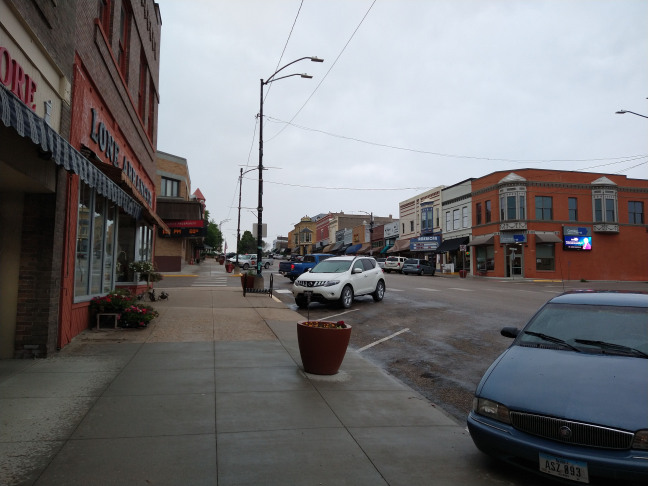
[(521, 219)]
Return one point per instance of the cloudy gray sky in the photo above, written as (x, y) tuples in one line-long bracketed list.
[(413, 94)]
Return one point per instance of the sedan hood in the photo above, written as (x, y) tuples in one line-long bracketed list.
[(600, 389)]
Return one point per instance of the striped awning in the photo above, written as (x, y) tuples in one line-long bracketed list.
[(15, 114)]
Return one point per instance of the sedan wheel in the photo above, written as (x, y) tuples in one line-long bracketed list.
[(267, 265), (379, 293), (245, 266), (346, 297)]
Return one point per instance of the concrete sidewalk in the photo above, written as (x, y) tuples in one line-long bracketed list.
[(213, 393)]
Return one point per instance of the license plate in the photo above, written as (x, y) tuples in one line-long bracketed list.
[(564, 468)]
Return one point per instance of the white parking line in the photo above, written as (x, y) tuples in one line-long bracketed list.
[(458, 288), (395, 290), (429, 290), (283, 291), (383, 340), (327, 318)]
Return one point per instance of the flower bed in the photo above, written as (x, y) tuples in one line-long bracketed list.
[(137, 316)]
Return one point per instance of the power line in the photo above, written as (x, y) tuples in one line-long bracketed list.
[(327, 72), (285, 46), (439, 154)]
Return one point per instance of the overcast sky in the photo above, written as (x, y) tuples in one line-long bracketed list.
[(413, 94)]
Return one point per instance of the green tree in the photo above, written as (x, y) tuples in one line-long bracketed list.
[(214, 236), (248, 243)]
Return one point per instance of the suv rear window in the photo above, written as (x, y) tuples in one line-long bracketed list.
[(392, 259), (411, 261)]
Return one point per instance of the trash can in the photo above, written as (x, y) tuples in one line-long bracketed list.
[(463, 273)]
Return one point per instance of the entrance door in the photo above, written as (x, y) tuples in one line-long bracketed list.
[(514, 261)]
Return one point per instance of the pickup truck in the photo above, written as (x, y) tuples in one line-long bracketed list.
[(292, 270), (248, 261)]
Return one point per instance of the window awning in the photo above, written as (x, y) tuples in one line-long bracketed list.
[(336, 246), (400, 245), (385, 249), (353, 249), (452, 244), (327, 248), (547, 238), (15, 114), (482, 240), (364, 249)]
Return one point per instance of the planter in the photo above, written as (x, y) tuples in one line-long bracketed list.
[(322, 349), (247, 281), (463, 273), (229, 267)]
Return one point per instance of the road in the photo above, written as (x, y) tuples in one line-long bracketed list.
[(439, 334)]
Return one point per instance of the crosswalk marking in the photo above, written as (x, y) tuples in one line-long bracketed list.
[(219, 281)]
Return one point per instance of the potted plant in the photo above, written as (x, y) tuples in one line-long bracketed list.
[(247, 279), (322, 345)]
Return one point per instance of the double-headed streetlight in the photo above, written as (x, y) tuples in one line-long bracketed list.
[(622, 112), (270, 79)]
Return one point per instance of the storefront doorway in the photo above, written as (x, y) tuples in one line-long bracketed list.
[(514, 260)]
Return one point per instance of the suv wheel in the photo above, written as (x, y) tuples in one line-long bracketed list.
[(245, 266), (346, 297), (379, 293)]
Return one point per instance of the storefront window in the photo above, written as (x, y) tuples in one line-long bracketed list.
[(545, 256), (485, 257), (93, 272)]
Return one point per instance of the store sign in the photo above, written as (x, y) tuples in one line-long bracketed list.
[(425, 243), (108, 146), (577, 231), (509, 238), (183, 232), (187, 223), (13, 76)]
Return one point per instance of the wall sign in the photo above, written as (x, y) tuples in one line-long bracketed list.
[(425, 243), (577, 231), (13, 76), (108, 146)]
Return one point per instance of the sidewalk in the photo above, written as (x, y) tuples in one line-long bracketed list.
[(213, 393)]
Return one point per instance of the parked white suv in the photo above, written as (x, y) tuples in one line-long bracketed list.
[(394, 263), (339, 279)]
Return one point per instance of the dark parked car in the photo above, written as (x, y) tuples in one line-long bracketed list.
[(569, 397), (419, 267)]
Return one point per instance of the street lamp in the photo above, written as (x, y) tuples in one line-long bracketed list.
[(371, 225), (220, 224), (622, 112), (270, 79), (238, 226)]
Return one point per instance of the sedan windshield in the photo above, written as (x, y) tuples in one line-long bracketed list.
[(590, 328), (331, 266)]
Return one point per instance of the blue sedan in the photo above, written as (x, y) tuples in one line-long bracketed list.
[(569, 398)]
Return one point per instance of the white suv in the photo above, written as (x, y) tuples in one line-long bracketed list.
[(339, 279), (394, 263)]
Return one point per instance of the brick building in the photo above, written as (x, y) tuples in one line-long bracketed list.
[(181, 211), (535, 223), (77, 145)]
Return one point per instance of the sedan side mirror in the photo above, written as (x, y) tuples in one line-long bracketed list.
[(510, 332), (357, 270)]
